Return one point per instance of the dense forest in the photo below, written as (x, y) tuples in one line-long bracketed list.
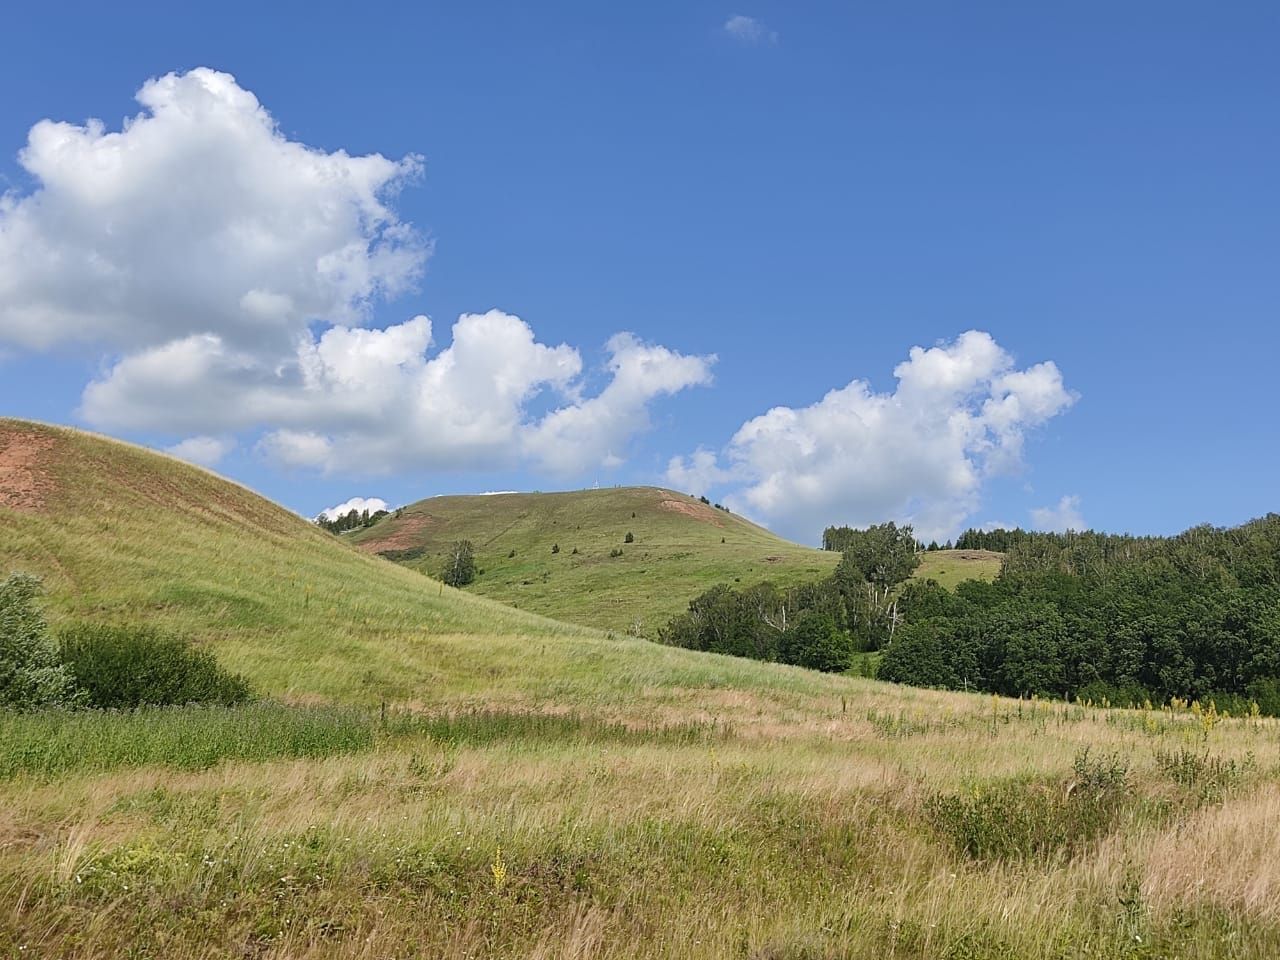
[(1077, 615), (1098, 616)]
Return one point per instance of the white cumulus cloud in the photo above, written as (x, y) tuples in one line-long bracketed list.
[(749, 30), (359, 504), (367, 400), (232, 271), (918, 454), (197, 217), (1063, 516), (696, 473), (591, 431), (203, 451)]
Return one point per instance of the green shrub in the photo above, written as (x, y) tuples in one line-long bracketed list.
[(816, 643), (122, 667), (1017, 820), (1210, 775), (1266, 694), (460, 566), (1130, 695), (31, 674), (402, 556)]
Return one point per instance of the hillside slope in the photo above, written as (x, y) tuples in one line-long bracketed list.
[(124, 534), (681, 548)]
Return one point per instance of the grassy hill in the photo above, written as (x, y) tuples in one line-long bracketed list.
[(949, 567), (539, 790), (681, 548)]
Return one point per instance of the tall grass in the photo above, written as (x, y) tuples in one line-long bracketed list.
[(55, 742), (483, 726)]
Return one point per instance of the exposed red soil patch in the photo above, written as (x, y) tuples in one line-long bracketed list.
[(403, 537), (699, 511), (24, 478)]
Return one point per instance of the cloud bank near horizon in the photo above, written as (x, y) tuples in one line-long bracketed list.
[(960, 414)]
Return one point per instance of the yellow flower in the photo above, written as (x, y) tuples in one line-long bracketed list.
[(499, 870)]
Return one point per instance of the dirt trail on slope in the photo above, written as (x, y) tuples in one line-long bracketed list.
[(404, 537), (24, 479), (699, 511)]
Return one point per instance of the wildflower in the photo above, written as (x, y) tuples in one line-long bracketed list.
[(499, 870)]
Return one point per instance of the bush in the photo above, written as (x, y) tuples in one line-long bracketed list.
[(122, 667), (1211, 775), (629, 538), (814, 642), (30, 673), (1016, 820), (1266, 694), (402, 556)]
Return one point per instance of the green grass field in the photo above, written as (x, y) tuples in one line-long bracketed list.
[(949, 567), (540, 790), (682, 547)]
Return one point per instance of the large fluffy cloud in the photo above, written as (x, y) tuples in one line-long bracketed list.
[(198, 217), (364, 400), (232, 270), (960, 413)]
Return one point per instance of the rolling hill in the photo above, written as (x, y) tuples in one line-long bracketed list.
[(681, 548), (550, 791)]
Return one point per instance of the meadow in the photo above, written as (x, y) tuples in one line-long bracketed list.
[(869, 822), (538, 790), (680, 548)]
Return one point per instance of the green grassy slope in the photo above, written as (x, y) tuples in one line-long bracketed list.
[(682, 547), (949, 567), (120, 533), (676, 555)]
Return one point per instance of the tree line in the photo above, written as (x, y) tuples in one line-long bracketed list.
[(820, 625), (1100, 616), (353, 519), (1080, 615), (838, 539)]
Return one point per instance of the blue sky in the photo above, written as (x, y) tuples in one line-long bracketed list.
[(806, 196)]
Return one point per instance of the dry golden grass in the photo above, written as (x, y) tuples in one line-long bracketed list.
[(809, 844)]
